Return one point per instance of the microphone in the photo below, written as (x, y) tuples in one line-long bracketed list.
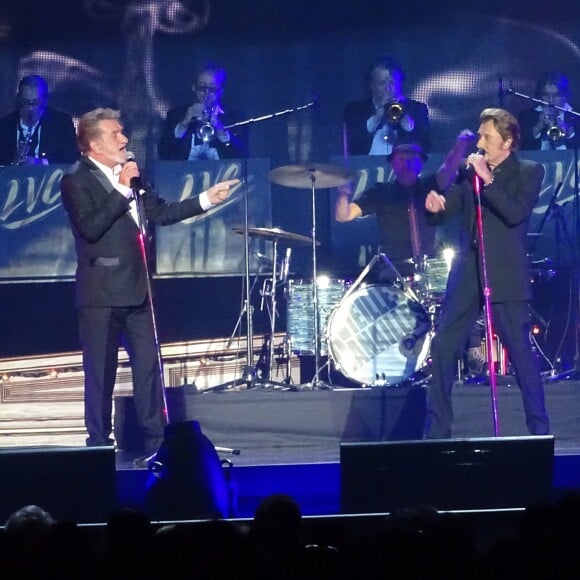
[(468, 166), (136, 182)]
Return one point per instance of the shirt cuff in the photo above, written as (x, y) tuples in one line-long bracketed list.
[(124, 191), (204, 201), (179, 131), (407, 123)]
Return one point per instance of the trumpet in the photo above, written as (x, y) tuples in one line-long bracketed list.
[(394, 112), (555, 133), (206, 131), (555, 130)]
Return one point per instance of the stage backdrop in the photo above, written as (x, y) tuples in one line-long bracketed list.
[(37, 243)]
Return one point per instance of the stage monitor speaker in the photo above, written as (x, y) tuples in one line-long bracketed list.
[(75, 484), (453, 474)]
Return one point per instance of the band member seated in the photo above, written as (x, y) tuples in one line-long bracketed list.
[(373, 126), (544, 127), (399, 205), (36, 134), (198, 130)]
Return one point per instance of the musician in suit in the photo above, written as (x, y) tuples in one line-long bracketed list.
[(510, 190), (36, 133), (111, 278), (544, 127), (375, 125), (197, 130)]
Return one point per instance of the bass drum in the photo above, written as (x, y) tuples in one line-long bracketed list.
[(378, 336)]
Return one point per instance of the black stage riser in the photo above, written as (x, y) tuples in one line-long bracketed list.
[(73, 484), (462, 474)]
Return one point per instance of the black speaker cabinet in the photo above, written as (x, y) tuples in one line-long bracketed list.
[(478, 473), (75, 484)]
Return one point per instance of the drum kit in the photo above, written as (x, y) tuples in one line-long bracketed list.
[(374, 335)]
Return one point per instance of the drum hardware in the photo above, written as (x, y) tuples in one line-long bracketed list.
[(314, 176), (249, 372), (268, 292)]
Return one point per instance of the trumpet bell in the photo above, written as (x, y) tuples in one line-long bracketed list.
[(205, 132), (555, 133), (394, 112)]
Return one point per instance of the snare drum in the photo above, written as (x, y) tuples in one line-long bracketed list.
[(300, 312), (379, 336)]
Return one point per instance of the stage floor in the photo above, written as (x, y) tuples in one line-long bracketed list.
[(271, 427)]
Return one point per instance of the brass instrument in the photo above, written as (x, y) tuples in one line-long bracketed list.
[(206, 131), (555, 133), (394, 112), (555, 130)]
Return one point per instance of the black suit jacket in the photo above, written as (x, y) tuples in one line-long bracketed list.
[(57, 137), (359, 140), (171, 149), (507, 205), (110, 266)]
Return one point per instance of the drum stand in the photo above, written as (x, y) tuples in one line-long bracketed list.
[(407, 289), (314, 176)]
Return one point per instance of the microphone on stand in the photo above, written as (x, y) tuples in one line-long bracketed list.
[(476, 179), (468, 166)]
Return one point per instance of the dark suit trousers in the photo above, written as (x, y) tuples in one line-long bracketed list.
[(511, 322), (102, 331)]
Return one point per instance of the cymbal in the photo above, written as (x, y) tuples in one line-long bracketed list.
[(276, 233), (534, 234), (305, 176)]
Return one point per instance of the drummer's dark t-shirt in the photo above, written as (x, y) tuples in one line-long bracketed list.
[(390, 203)]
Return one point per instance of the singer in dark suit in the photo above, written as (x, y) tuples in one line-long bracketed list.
[(36, 133), (509, 191), (111, 278)]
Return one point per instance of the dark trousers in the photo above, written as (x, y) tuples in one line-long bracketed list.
[(102, 331), (511, 322)]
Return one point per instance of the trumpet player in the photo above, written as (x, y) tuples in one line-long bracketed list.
[(547, 126), (375, 125), (198, 130)]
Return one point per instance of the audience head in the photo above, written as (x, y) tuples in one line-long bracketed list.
[(28, 523), (277, 524)]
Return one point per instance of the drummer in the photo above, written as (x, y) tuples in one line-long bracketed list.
[(404, 235)]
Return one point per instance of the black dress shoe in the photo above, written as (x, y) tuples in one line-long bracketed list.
[(144, 462)]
